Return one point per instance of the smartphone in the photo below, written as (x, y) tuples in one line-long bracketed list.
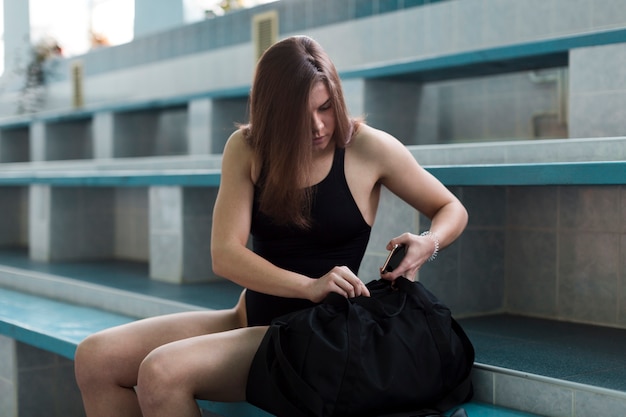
[(394, 258)]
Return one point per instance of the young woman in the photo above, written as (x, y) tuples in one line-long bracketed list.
[(304, 180)]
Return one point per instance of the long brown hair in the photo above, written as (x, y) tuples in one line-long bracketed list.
[(280, 127)]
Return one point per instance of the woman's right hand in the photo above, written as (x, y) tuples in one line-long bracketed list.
[(340, 280)]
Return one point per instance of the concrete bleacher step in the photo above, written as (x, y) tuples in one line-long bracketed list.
[(118, 286), (523, 365), (473, 409), (549, 367)]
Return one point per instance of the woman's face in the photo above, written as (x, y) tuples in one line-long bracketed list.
[(322, 117)]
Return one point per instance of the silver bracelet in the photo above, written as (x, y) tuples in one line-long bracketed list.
[(434, 238)]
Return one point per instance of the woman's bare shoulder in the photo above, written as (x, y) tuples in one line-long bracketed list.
[(369, 142), (237, 142), (238, 155), (380, 154)]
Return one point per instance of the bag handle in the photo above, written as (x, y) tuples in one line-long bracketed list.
[(374, 305)]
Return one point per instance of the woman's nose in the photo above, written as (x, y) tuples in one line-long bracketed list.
[(317, 123)]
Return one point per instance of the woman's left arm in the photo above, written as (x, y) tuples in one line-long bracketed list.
[(403, 176)]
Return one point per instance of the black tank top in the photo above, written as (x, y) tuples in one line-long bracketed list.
[(338, 236)]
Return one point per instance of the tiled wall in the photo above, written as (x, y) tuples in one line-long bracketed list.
[(35, 383), (131, 238), (530, 151), (68, 140), (150, 133), (78, 223), (469, 275), (13, 221), (8, 402), (597, 95), (46, 384), (564, 253), (440, 26), (180, 233), (547, 251), (226, 113), (14, 145), (505, 107), (544, 397), (235, 28)]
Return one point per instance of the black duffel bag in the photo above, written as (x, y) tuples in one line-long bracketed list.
[(397, 352)]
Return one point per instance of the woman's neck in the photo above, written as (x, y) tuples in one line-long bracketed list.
[(321, 165)]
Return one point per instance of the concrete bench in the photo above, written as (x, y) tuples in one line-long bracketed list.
[(534, 54), (100, 200), (56, 327), (535, 174), (113, 178), (554, 173), (132, 212)]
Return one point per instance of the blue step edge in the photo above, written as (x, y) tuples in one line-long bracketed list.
[(476, 409), (236, 409), (243, 409)]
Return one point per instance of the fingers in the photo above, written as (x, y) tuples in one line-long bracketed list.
[(405, 269), (365, 292), (403, 239), (413, 260), (346, 283)]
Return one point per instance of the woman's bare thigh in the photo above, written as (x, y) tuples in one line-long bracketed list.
[(118, 352), (213, 366)]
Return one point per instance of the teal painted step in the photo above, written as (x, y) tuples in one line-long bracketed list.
[(238, 409), (51, 325), (473, 409)]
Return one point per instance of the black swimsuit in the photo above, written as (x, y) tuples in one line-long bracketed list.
[(338, 236)]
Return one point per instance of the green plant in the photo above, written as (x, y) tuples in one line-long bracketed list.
[(36, 74)]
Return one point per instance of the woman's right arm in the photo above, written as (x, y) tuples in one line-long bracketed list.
[(231, 229)]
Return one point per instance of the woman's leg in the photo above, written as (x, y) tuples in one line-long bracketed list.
[(213, 367), (107, 363)]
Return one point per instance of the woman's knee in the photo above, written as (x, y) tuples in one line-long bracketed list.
[(96, 359), (159, 378), (88, 359)]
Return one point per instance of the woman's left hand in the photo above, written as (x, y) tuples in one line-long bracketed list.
[(418, 250)]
